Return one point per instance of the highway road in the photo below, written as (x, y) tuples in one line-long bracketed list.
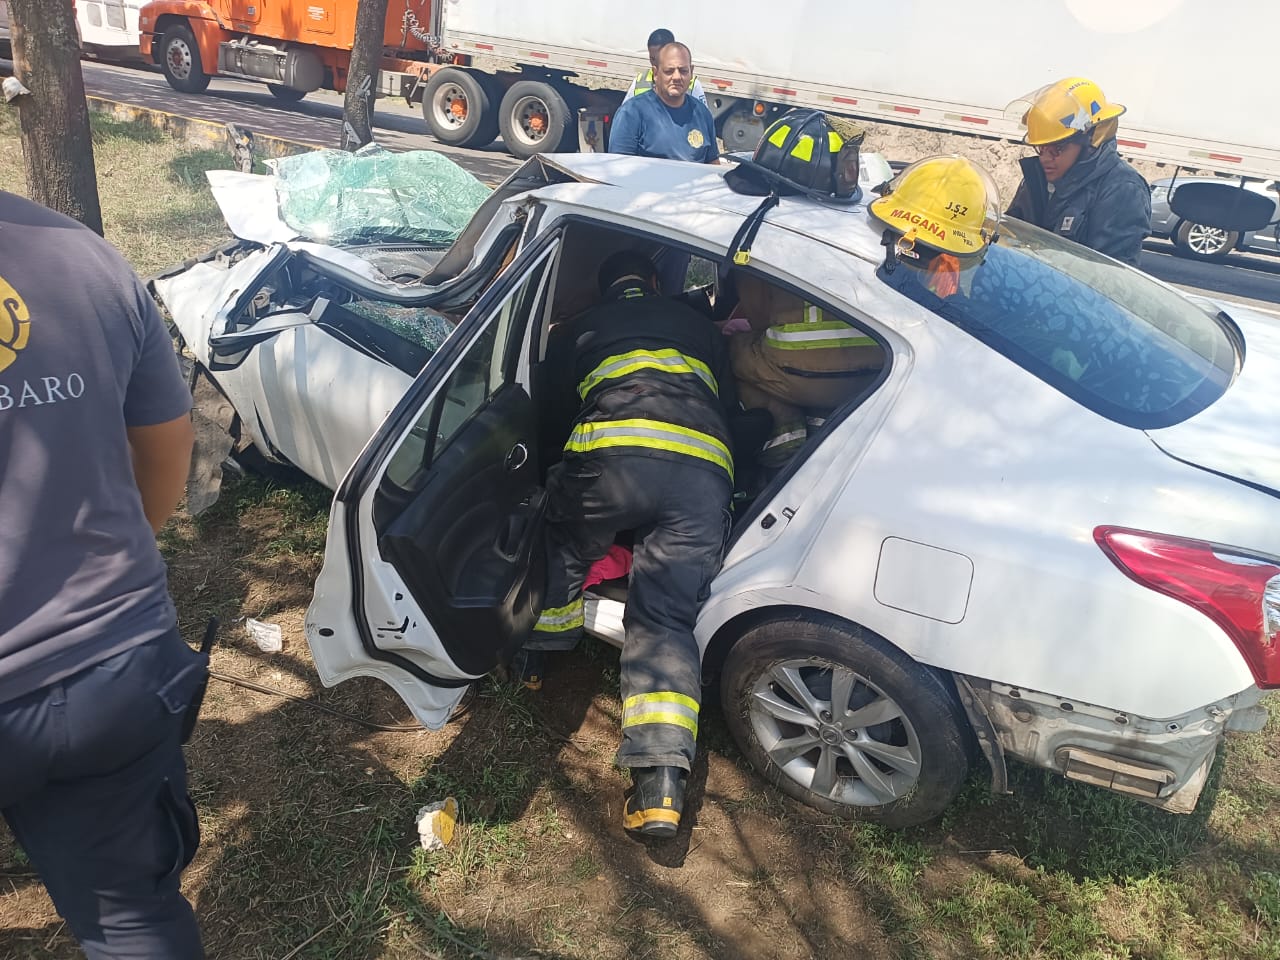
[(1251, 279)]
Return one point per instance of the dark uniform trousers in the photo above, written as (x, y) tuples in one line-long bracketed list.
[(679, 512), (94, 786)]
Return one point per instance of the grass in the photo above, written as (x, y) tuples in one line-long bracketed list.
[(310, 850), (156, 206)]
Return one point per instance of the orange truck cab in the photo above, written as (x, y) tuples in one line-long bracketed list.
[(295, 46)]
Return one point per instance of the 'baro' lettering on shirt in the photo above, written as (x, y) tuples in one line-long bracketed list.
[(39, 392)]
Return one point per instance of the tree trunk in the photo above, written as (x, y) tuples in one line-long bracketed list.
[(362, 76), (57, 150)]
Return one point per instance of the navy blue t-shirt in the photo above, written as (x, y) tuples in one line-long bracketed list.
[(644, 126), (84, 356)]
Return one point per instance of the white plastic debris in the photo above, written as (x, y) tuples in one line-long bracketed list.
[(13, 89), (267, 636), (436, 822)]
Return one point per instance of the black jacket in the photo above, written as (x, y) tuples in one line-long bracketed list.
[(1102, 202), (628, 322)]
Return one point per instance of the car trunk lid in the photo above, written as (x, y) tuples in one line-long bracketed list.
[(1238, 436)]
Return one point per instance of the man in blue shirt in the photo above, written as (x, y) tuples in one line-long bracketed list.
[(666, 122)]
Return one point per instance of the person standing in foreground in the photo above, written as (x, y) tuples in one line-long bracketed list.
[(95, 444), (643, 82), (668, 124), (1079, 186), (648, 452)]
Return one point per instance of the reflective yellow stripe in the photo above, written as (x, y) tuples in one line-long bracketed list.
[(666, 696), (675, 719), (650, 434), (816, 335), (834, 141), (665, 706), (633, 821), (779, 136), (561, 619), (804, 148), (666, 360)]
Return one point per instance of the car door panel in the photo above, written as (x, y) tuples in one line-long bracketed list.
[(464, 549), (434, 567)]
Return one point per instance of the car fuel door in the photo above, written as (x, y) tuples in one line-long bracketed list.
[(433, 570)]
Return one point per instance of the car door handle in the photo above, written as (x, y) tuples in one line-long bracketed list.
[(517, 457)]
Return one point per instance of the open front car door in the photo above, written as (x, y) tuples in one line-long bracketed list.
[(433, 566)]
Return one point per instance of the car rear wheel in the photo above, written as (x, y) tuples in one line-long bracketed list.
[(180, 60), (838, 718), (1203, 242), (459, 109), (285, 94), (535, 118)]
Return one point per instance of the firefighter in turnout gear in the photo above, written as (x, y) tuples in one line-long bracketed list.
[(1078, 185), (648, 452), (797, 361)]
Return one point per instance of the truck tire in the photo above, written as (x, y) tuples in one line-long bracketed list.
[(285, 94), (535, 118), (459, 108), (180, 60), (1200, 242)]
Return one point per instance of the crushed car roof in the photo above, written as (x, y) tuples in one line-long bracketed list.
[(646, 187)]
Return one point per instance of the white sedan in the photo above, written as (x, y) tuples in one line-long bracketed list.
[(1048, 532)]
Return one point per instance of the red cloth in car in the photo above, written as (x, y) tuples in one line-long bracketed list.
[(614, 564)]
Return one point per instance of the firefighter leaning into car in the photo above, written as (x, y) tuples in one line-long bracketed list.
[(648, 452), (1079, 186), (941, 214), (796, 361), (643, 82)]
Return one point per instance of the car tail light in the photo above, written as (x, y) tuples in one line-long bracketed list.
[(1238, 592)]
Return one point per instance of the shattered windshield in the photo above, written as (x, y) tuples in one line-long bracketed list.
[(1107, 336), (372, 195)]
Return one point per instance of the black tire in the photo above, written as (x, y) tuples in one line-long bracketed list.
[(915, 760), (535, 118), (180, 60), (460, 108), (285, 94), (1200, 242)]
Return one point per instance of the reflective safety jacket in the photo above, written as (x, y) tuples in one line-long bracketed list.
[(650, 376)]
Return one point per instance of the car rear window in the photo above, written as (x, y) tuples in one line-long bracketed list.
[(1109, 337)]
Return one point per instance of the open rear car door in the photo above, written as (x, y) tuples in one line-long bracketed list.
[(433, 568)]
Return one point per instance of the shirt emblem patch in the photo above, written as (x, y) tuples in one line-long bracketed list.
[(1067, 224), (696, 139), (15, 324)]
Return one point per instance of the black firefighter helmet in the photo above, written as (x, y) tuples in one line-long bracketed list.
[(805, 152)]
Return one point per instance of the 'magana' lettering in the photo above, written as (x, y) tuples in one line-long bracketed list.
[(924, 223)]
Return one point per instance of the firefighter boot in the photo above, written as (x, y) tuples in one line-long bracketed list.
[(530, 666), (656, 801)]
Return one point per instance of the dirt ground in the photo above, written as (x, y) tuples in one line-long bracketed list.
[(309, 848)]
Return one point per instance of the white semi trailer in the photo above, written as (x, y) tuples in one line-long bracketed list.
[(525, 70)]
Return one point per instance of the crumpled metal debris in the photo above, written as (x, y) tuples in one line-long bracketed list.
[(332, 196)]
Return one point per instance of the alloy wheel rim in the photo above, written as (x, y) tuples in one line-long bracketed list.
[(1206, 240), (835, 733)]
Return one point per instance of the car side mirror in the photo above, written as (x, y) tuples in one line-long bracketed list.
[(1222, 205)]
